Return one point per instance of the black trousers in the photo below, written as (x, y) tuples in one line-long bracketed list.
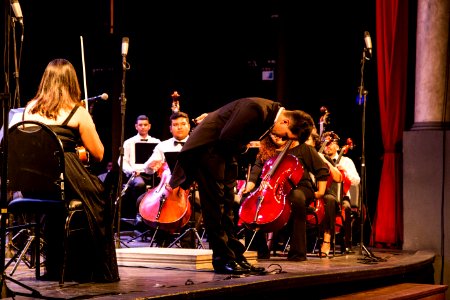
[(300, 198), (216, 175)]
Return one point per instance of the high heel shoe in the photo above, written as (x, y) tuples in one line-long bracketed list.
[(324, 254)]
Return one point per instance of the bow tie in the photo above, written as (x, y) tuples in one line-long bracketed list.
[(144, 140), (178, 143)]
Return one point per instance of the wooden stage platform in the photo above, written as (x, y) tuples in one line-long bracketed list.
[(189, 276)]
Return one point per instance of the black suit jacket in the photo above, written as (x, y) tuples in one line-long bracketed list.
[(228, 129)]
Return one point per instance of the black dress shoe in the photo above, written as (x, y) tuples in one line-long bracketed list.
[(229, 267), (243, 262), (296, 258)]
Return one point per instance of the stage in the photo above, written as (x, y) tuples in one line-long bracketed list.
[(315, 278)]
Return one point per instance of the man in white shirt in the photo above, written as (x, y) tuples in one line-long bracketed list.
[(344, 164), (141, 179), (180, 129)]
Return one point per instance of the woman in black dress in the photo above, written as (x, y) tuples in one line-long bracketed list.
[(57, 104)]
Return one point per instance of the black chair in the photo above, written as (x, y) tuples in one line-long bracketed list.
[(36, 169)]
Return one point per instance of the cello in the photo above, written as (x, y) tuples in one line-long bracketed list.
[(164, 209), (318, 205), (346, 183), (267, 208)]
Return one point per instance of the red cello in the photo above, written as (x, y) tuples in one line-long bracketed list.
[(318, 205), (267, 208), (166, 210)]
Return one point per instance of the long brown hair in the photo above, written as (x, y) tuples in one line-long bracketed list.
[(59, 89), (268, 148)]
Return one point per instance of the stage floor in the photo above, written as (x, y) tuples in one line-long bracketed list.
[(315, 278)]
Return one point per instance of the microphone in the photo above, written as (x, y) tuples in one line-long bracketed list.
[(103, 96), (368, 42), (125, 42), (17, 10)]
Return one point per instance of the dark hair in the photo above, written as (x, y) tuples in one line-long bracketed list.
[(316, 139), (334, 137), (142, 118), (301, 125), (268, 148), (179, 114)]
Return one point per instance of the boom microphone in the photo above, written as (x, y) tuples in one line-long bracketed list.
[(368, 42), (103, 96)]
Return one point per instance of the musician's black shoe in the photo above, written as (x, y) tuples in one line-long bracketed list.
[(243, 262), (229, 267), (139, 224), (295, 257)]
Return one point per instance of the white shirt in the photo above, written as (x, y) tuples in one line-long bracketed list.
[(350, 170), (128, 165), (102, 176), (158, 153)]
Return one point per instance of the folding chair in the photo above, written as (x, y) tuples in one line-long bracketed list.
[(36, 168)]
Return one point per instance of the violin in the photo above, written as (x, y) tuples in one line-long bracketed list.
[(83, 154), (349, 146)]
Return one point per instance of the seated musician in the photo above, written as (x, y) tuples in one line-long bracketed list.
[(180, 129), (57, 104), (138, 183), (347, 165), (304, 193), (269, 147), (330, 197)]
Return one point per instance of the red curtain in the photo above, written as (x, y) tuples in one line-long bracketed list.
[(391, 54)]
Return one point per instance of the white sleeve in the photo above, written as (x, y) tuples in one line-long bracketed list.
[(350, 170), (127, 168), (157, 155)]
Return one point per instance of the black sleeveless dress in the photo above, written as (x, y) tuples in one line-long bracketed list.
[(92, 256)]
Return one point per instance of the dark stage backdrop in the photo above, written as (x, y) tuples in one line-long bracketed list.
[(211, 53)]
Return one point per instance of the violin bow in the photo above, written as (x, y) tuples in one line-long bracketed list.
[(84, 73)]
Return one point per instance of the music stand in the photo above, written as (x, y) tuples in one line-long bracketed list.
[(171, 159), (140, 153)]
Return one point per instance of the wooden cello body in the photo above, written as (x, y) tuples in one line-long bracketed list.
[(268, 208), (163, 209)]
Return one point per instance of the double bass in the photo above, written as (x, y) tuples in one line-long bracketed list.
[(267, 208)]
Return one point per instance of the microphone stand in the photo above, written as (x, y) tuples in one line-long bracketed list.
[(362, 100), (16, 101), (5, 98), (123, 104)]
